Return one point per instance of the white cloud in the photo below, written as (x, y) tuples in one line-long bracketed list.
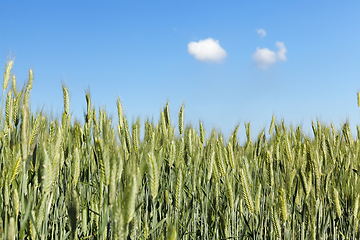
[(207, 50), (264, 57), (261, 32), (282, 51)]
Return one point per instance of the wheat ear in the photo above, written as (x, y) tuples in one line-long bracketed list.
[(234, 137), (16, 201), (66, 100), (210, 160), (178, 190), (16, 108), (202, 133), (127, 135), (172, 153), (257, 199), (84, 219), (48, 174), (11, 231), (337, 202), (16, 168), (154, 175), (135, 139), (248, 132), (171, 233), (355, 209), (246, 191), (230, 192), (231, 155), (219, 159), (269, 169), (163, 123), (76, 166), (120, 113), (35, 133), (283, 207), (181, 119), (88, 107), (130, 198), (31, 79), (13, 79), (9, 108), (8, 68), (167, 114), (276, 223), (272, 124)]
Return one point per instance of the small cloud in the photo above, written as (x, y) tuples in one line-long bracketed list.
[(282, 51), (261, 32), (207, 50), (264, 57)]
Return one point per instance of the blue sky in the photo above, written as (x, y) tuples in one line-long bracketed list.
[(207, 54)]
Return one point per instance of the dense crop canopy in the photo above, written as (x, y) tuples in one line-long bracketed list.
[(62, 179)]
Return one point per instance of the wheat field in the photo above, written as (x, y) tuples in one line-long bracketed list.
[(62, 179)]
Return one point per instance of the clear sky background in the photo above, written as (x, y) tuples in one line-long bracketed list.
[(230, 62)]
